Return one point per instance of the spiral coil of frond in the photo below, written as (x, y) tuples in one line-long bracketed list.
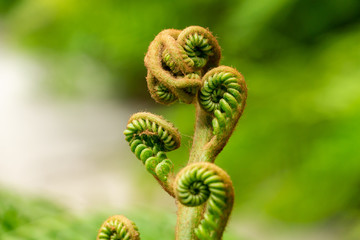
[(198, 49), (149, 137), (118, 227), (164, 94), (173, 57), (223, 94), (201, 183)]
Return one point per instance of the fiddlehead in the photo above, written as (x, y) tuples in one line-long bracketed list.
[(118, 227), (223, 94), (176, 60), (201, 47), (149, 137), (221, 101), (205, 183)]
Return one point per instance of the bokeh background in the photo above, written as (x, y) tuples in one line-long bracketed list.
[(72, 73)]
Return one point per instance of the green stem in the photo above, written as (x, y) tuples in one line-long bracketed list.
[(202, 135), (167, 185), (189, 217)]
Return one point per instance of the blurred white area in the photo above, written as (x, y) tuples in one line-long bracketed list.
[(68, 151)]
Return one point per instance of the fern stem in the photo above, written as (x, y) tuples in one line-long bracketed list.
[(202, 135), (188, 218)]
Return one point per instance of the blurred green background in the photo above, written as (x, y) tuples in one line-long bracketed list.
[(295, 155)]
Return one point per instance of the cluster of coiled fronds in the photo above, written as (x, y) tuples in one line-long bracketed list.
[(183, 65), (118, 227), (201, 183), (173, 58)]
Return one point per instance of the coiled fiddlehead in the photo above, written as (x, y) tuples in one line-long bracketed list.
[(118, 227), (173, 58), (205, 183), (223, 94), (221, 101), (201, 47), (150, 136), (164, 94)]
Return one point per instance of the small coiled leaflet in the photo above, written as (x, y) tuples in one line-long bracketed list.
[(198, 49), (201, 183), (201, 47), (164, 94), (223, 94), (150, 136), (172, 58), (118, 227)]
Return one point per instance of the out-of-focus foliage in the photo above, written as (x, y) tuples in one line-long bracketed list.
[(113, 33), (295, 155), (27, 218), (7, 5)]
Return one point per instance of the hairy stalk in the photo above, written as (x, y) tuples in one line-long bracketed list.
[(202, 136), (183, 65), (189, 217)]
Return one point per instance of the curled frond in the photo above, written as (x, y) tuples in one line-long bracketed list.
[(150, 137), (118, 227), (172, 58), (153, 130), (223, 94), (201, 47), (206, 183)]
